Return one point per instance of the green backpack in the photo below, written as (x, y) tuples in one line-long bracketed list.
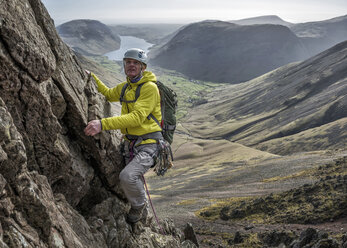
[(168, 102)]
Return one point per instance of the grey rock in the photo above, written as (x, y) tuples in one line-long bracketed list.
[(189, 234), (188, 244), (58, 187), (326, 243)]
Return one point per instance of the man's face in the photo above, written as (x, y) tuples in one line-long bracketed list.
[(132, 67)]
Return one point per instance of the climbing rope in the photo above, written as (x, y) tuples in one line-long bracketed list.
[(153, 210)]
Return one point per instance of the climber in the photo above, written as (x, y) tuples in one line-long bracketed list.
[(141, 132)]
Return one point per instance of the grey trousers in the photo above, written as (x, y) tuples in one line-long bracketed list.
[(131, 176)]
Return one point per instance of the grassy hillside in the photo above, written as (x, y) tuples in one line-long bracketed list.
[(322, 201), (301, 106), (190, 92)]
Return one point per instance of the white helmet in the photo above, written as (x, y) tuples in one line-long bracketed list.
[(137, 54)]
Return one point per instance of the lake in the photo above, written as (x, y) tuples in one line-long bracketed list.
[(126, 43)]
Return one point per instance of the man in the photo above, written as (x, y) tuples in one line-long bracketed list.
[(138, 122)]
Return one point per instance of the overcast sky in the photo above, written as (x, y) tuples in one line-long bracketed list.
[(184, 11)]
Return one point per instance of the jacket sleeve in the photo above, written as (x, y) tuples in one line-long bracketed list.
[(142, 108), (111, 94)]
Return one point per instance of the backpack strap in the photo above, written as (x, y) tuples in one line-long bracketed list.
[(162, 110), (137, 93), (155, 119), (125, 86)]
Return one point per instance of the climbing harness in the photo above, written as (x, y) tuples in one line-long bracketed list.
[(163, 161)]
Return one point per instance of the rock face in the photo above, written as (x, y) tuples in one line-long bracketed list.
[(59, 188), (89, 37), (225, 52)]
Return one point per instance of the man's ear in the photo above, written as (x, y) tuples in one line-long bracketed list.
[(143, 67)]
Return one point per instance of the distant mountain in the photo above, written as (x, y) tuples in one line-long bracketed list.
[(225, 52), (89, 37), (298, 107), (319, 36), (269, 19), (152, 33)]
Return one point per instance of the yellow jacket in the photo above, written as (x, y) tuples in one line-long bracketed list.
[(133, 119)]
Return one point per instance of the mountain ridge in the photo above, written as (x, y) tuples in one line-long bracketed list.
[(196, 58), (266, 19), (321, 35), (226, 52)]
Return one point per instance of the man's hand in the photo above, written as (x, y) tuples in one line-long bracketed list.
[(93, 127)]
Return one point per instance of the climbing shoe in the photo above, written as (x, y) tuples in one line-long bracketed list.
[(135, 214)]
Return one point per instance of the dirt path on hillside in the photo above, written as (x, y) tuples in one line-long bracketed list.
[(178, 195)]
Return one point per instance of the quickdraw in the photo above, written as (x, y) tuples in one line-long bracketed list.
[(164, 158)]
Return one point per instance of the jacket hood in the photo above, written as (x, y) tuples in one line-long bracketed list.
[(147, 76)]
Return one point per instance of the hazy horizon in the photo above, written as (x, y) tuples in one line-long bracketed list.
[(186, 11)]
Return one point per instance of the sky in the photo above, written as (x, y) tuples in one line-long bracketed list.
[(186, 11)]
